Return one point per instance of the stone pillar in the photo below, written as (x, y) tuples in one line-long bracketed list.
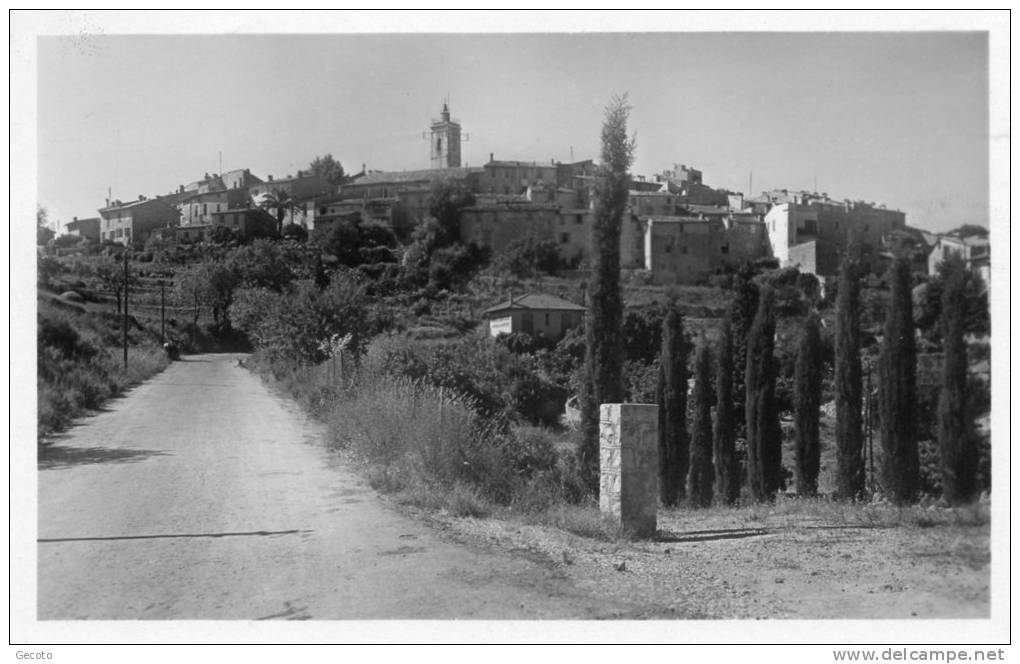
[(629, 465)]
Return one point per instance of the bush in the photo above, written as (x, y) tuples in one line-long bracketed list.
[(80, 363), (529, 257)]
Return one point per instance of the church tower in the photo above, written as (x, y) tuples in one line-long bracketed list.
[(445, 141)]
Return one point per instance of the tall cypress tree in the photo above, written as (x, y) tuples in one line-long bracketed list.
[(807, 376), (700, 477), (671, 395), (956, 442), (849, 419), (897, 390), (727, 466), (741, 316), (604, 353), (764, 435)]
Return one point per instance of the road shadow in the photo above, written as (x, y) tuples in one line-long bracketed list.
[(708, 535), (52, 455)]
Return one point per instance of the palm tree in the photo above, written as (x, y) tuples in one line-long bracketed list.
[(281, 201)]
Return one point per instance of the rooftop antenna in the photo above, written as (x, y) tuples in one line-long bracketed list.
[(816, 181), (750, 183), (221, 162)]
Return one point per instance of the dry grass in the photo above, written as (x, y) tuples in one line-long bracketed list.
[(80, 362)]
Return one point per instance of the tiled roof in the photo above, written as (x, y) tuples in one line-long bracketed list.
[(386, 177), (539, 301), (521, 164)]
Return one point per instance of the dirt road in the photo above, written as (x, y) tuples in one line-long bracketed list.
[(202, 495)]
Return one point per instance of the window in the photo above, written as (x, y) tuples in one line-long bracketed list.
[(725, 249), (547, 319), (669, 248), (439, 145), (683, 249), (205, 208), (578, 219), (564, 238)]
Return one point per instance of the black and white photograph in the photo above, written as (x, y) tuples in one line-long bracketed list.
[(511, 327)]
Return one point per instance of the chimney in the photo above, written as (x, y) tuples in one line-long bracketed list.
[(270, 177), (107, 202), (140, 197), (490, 157), (180, 188), (74, 218), (362, 168), (206, 176)]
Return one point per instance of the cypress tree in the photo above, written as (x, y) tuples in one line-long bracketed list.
[(807, 400), (671, 395), (727, 466), (957, 447), (764, 435), (897, 390), (849, 419), (604, 353), (699, 481), (741, 316)]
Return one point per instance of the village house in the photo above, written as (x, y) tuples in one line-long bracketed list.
[(688, 249), (134, 222), (974, 250), (810, 231), (198, 209), (86, 228), (543, 316)]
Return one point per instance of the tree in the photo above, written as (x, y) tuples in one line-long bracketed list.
[(764, 435), (43, 233), (699, 481), (295, 232), (671, 395), (727, 466), (807, 399), (604, 354), (262, 264), (446, 199), (849, 420), (280, 201), (897, 391), (328, 168), (110, 272), (741, 316), (957, 445)]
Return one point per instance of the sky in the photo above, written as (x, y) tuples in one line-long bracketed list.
[(890, 117)]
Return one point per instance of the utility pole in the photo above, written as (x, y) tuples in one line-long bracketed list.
[(162, 311), (125, 322)]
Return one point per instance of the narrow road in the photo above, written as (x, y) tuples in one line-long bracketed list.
[(204, 495)]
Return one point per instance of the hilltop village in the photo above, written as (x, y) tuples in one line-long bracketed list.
[(677, 228)]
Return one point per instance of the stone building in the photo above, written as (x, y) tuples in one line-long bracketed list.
[(133, 223), (445, 141), (975, 251), (87, 228), (810, 231), (688, 249), (198, 209)]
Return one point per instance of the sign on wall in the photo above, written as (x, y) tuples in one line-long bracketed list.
[(499, 326)]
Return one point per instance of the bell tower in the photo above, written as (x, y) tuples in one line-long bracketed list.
[(445, 141)]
